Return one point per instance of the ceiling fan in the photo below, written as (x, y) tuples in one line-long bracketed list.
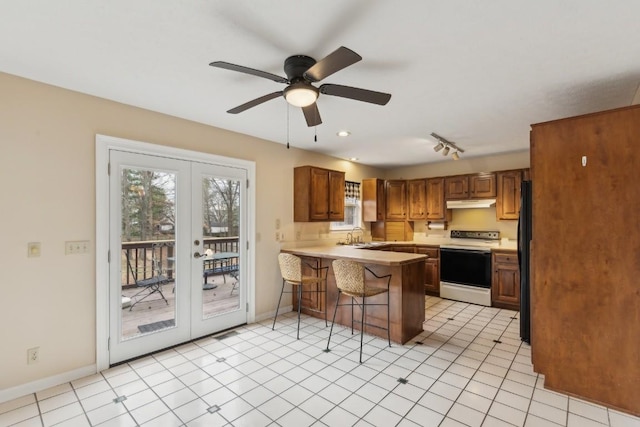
[(302, 71)]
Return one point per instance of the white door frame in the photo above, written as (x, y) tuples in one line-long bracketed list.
[(106, 143)]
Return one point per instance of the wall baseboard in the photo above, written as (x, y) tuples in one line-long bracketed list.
[(45, 383), (65, 377), (270, 314)]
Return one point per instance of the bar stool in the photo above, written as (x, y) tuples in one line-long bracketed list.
[(291, 270), (350, 280)]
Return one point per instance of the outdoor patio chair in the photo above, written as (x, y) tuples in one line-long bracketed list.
[(148, 286)]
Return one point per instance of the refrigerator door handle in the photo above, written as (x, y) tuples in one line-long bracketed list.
[(519, 237)]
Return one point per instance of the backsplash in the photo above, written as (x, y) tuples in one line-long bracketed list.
[(470, 219), (303, 234)]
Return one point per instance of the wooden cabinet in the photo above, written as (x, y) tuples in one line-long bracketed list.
[(482, 186), (396, 200), (431, 269), (476, 186), (436, 207), (508, 194), (585, 292), (410, 249), (505, 280), (392, 231), (373, 200), (313, 296), (417, 199), (318, 194), (456, 187)]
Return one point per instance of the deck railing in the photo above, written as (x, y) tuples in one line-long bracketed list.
[(140, 256)]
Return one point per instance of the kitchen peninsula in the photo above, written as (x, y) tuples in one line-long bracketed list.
[(406, 294)]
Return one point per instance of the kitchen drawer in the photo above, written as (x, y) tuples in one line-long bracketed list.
[(431, 252), (407, 249), (505, 257)]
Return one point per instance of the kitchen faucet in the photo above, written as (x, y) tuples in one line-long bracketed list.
[(357, 239)]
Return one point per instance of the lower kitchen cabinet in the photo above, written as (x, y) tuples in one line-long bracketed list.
[(313, 294), (431, 269), (505, 282)]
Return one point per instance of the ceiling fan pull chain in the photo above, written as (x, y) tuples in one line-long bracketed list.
[(315, 136), (287, 126)]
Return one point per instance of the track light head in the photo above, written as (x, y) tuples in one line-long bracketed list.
[(455, 156), (446, 151), (438, 147)]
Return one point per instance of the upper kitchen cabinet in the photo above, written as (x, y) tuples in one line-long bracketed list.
[(417, 195), (476, 186), (456, 187), (396, 200), (373, 199), (508, 194), (482, 186), (436, 207), (318, 194)]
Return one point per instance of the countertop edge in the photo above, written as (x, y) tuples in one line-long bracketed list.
[(366, 256)]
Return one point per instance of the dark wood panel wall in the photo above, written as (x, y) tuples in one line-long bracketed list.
[(585, 292)]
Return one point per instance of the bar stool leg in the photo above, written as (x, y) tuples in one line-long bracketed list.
[(278, 308), (325, 303), (333, 321), (361, 327), (388, 321), (352, 301), (299, 306)]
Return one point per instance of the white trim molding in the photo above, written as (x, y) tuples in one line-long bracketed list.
[(44, 383), (106, 143)]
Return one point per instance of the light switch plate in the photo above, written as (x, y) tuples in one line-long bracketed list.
[(33, 249), (76, 247)]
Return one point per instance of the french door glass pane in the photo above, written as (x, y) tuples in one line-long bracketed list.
[(147, 239), (220, 231)]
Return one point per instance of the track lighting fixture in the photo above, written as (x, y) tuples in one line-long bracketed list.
[(447, 145)]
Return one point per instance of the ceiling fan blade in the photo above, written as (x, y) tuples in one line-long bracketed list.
[(335, 61), (247, 70), (312, 114), (257, 101), (356, 93)]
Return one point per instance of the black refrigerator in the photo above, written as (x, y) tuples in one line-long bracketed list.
[(524, 238)]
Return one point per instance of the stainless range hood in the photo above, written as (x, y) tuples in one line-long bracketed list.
[(470, 204)]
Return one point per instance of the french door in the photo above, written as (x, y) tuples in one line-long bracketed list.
[(177, 262)]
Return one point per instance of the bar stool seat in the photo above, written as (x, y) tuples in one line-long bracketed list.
[(350, 280), (291, 271)]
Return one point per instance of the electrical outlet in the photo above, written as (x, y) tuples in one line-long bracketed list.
[(33, 355), (298, 235), (277, 236), (278, 224), (76, 247)]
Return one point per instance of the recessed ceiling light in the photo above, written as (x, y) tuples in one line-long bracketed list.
[(343, 133), (353, 159)]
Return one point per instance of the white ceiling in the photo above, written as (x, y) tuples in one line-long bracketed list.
[(475, 72)]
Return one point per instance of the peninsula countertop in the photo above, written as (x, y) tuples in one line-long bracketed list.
[(354, 253)]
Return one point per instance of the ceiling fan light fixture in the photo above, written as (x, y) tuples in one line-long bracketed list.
[(301, 94)]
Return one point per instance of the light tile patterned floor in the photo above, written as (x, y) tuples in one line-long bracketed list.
[(456, 375)]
